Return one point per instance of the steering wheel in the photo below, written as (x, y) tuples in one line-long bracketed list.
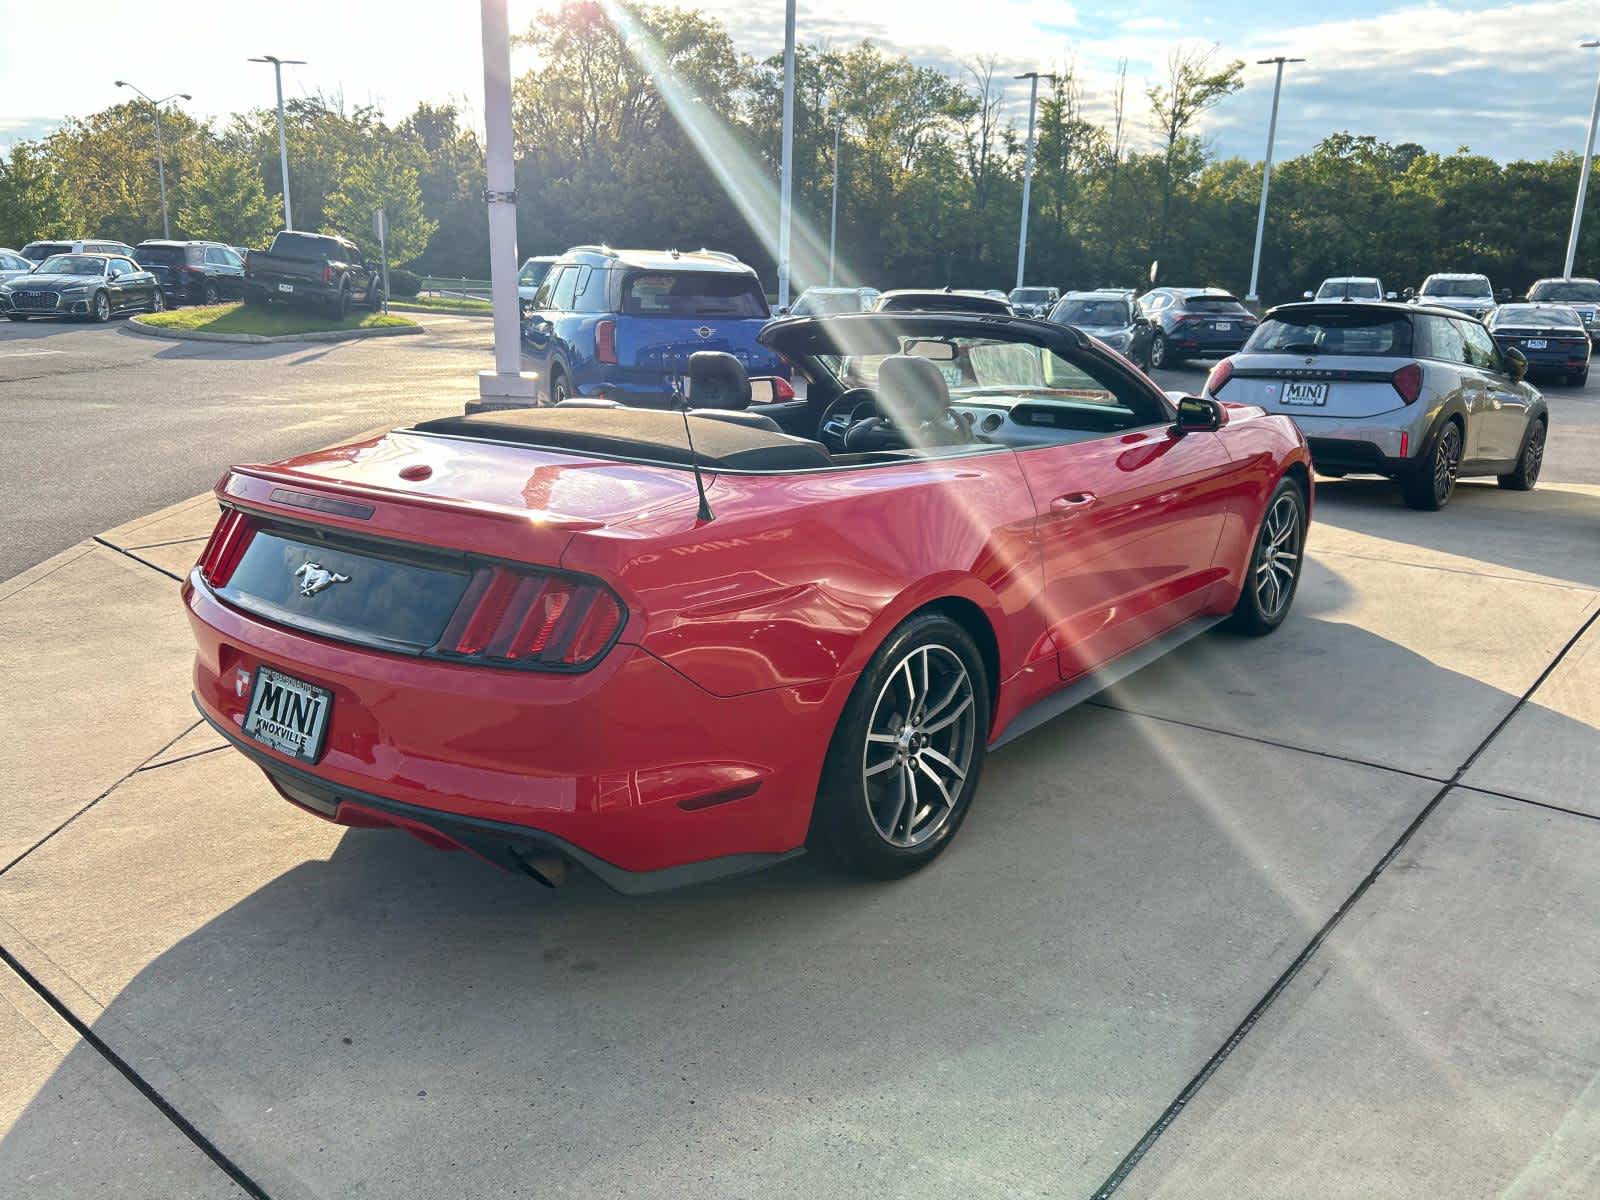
[(842, 412)]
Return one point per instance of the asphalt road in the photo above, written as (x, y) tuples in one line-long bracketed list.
[(103, 425)]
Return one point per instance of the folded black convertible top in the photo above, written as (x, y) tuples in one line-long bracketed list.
[(644, 435)]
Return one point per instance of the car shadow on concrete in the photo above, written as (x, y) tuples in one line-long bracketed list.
[(386, 1017), (1551, 531)]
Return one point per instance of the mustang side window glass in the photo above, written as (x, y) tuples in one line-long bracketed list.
[(565, 289), (693, 294), (1342, 331)]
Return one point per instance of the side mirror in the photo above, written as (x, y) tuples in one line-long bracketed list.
[(1196, 415), (770, 389), (1307, 295), (1407, 293), (1516, 363), (1391, 296), (781, 311)]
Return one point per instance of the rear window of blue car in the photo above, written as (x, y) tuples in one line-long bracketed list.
[(692, 294)]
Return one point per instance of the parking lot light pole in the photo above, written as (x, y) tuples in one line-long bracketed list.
[(1027, 169), (278, 65), (833, 213), (161, 154), (786, 183), (1583, 175), (507, 385), (1266, 173)]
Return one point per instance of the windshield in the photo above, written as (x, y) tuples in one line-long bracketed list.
[(1030, 296), (72, 264), (1535, 314), (817, 304), (1374, 333), (1215, 304), (693, 294), (941, 302), (1353, 289), (1476, 289), (1098, 314), (1566, 289)]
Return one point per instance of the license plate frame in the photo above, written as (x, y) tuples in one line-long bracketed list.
[(1305, 394), (286, 287), (1222, 326), (301, 733), (1537, 343)]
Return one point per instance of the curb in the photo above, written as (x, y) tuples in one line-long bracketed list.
[(318, 335)]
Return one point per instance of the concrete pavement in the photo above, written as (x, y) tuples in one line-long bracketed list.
[(1276, 917)]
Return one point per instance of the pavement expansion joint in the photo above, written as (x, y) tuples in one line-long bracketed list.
[(1170, 1114)]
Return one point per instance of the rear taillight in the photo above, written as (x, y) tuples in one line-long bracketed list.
[(226, 547), (605, 342), (1407, 382), (533, 619), (1220, 374), (327, 272)]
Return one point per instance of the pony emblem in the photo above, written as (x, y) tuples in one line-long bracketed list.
[(314, 577)]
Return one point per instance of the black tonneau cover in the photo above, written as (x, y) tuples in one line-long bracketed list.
[(645, 435)]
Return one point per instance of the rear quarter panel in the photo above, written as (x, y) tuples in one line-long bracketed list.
[(801, 576)]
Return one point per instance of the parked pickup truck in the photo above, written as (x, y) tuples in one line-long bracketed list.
[(312, 268)]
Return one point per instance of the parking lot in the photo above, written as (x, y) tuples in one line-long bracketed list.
[(1306, 915)]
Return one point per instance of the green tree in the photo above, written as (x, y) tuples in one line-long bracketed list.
[(383, 177), (222, 199), (35, 201)]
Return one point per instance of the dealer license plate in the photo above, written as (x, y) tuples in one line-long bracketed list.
[(286, 287), (288, 714), (1536, 344), (1305, 393)]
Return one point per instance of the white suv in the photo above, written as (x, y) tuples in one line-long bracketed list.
[(1350, 287), (1469, 294)]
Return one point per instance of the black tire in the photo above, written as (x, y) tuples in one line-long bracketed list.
[(100, 308), (375, 298), (211, 295), (1430, 482), (1156, 357), (560, 389), (339, 308), (856, 796), (1276, 558), (1529, 461), (16, 316)]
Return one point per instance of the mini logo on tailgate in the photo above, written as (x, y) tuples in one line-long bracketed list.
[(314, 577), (704, 331)]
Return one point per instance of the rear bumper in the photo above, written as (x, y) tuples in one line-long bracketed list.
[(1366, 447), (629, 769)]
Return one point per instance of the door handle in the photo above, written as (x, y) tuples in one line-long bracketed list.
[(1072, 501)]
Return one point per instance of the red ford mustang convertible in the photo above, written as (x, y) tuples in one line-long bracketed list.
[(666, 645)]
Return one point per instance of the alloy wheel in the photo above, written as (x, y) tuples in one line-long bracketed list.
[(1279, 557), (1446, 462), (102, 308), (211, 295), (157, 301), (1158, 352), (919, 746), (1533, 452)]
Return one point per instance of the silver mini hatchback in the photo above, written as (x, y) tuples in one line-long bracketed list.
[(1421, 395)]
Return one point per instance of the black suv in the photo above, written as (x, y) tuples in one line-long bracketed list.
[(193, 272)]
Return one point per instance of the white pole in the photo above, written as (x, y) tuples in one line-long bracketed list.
[(1266, 175), (507, 385), (786, 187), (1027, 173), (283, 147), (1583, 176), (833, 217)]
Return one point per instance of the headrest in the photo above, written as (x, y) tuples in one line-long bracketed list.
[(717, 380), (911, 390)]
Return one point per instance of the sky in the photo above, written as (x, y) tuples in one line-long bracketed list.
[(1506, 79)]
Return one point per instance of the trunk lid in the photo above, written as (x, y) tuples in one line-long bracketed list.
[(1315, 385), (663, 344)]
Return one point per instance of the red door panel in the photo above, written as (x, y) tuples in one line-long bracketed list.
[(1128, 528)]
